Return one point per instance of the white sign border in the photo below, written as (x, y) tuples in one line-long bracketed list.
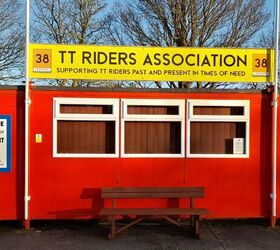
[(8, 145)]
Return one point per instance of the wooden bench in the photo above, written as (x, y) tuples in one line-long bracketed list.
[(144, 213)]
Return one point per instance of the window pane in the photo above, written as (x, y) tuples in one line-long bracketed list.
[(217, 110), (86, 109), (215, 137), (86, 137), (152, 137), (152, 110)]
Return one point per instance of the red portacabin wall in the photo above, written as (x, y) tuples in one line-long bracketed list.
[(11, 183), (69, 188)]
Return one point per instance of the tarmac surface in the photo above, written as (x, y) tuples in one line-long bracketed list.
[(221, 234)]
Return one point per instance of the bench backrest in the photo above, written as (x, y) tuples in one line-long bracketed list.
[(152, 192)]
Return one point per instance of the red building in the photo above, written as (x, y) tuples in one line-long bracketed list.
[(85, 139)]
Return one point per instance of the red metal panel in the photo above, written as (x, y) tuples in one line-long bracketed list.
[(11, 183), (70, 188)]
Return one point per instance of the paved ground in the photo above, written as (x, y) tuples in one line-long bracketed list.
[(241, 234)]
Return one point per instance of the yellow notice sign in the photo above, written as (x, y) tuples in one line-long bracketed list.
[(151, 63), (38, 138)]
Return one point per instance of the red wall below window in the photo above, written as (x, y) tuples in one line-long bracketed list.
[(63, 188)]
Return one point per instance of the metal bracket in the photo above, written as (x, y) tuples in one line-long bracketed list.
[(272, 196), (274, 103), (28, 198), (27, 101)]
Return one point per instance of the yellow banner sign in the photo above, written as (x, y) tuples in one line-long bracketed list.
[(151, 63)]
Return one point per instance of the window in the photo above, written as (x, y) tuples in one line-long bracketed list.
[(152, 128), (218, 128), (85, 127)]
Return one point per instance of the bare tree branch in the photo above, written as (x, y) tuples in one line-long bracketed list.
[(69, 22), (186, 23), (11, 40)]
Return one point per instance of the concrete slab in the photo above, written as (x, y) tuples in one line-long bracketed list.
[(230, 234)]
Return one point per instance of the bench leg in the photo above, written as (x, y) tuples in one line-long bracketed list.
[(192, 220), (114, 229), (111, 236), (196, 227)]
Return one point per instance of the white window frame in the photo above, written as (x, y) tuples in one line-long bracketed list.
[(191, 117), (151, 118), (57, 116)]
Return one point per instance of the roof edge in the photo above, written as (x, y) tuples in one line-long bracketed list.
[(140, 90), (153, 90)]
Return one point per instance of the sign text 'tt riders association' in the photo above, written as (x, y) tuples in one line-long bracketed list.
[(150, 63)]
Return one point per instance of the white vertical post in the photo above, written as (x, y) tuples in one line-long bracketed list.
[(274, 117), (27, 103)]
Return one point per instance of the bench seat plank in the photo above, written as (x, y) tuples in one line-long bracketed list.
[(137, 195), (151, 189), (153, 211)]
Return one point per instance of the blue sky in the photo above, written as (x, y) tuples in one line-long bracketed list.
[(271, 6)]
